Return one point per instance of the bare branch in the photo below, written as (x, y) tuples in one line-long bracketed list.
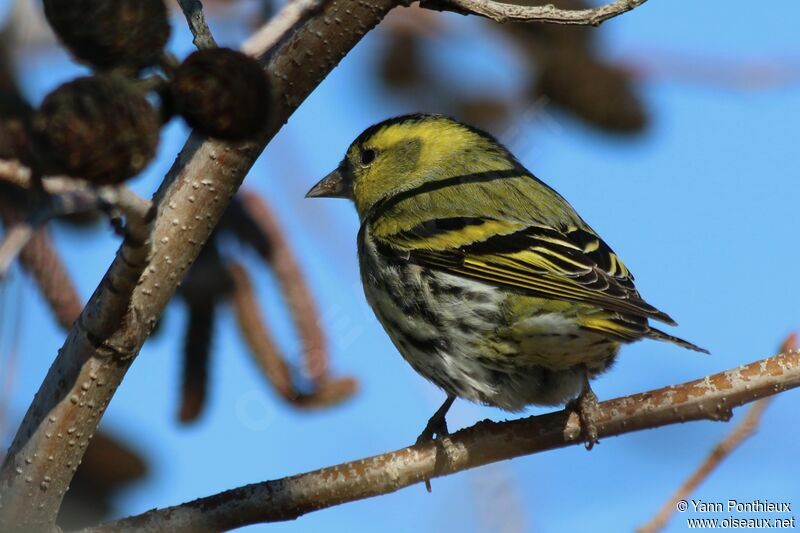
[(14, 173), (193, 11), (131, 297), (15, 238), (502, 12), (710, 398), (66, 196), (722, 450), (268, 36)]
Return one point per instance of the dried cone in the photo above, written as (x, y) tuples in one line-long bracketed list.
[(401, 62), (111, 33), (97, 128), (486, 112), (600, 94), (15, 111), (221, 93)]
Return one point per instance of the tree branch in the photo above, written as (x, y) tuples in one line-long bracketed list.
[(709, 398), (722, 450), (502, 12), (131, 297), (193, 11), (740, 433), (67, 196)]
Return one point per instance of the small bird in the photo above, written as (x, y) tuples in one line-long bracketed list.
[(488, 282)]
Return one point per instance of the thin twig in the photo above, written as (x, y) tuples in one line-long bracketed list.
[(502, 12), (722, 450), (710, 398), (740, 433), (270, 34), (66, 196), (193, 11), (15, 173), (14, 240)]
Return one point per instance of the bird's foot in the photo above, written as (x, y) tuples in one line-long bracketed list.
[(585, 406), (436, 427)]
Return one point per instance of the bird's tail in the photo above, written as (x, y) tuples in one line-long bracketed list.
[(659, 335)]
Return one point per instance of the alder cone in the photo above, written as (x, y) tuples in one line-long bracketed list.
[(221, 93), (598, 93), (401, 64), (98, 128), (111, 33)]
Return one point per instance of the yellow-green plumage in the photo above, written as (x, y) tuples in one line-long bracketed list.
[(487, 280)]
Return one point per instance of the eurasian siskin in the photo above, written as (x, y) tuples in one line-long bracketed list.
[(487, 281)]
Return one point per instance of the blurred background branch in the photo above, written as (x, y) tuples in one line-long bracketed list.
[(193, 11)]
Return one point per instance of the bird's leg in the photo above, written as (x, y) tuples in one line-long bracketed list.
[(437, 425), (585, 406)]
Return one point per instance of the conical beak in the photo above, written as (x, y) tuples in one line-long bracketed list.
[(334, 185)]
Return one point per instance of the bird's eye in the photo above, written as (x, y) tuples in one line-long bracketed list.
[(368, 156)]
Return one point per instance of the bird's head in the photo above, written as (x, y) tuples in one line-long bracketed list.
[(407, 152)]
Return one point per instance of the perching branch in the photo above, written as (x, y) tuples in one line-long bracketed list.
[(131, 297), (740, 433), (709, 398), (502, 12), (193, 11)]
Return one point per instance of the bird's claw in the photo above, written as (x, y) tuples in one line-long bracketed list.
[(436, 428), (585, 406)]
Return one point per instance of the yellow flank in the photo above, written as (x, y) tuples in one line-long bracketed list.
[(553, 333), (606, 325)]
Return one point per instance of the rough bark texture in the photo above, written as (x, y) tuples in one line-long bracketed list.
[(709, 398), (125, 307), (505, 12)]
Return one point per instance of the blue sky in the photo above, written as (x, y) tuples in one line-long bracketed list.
[(702, 208)]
